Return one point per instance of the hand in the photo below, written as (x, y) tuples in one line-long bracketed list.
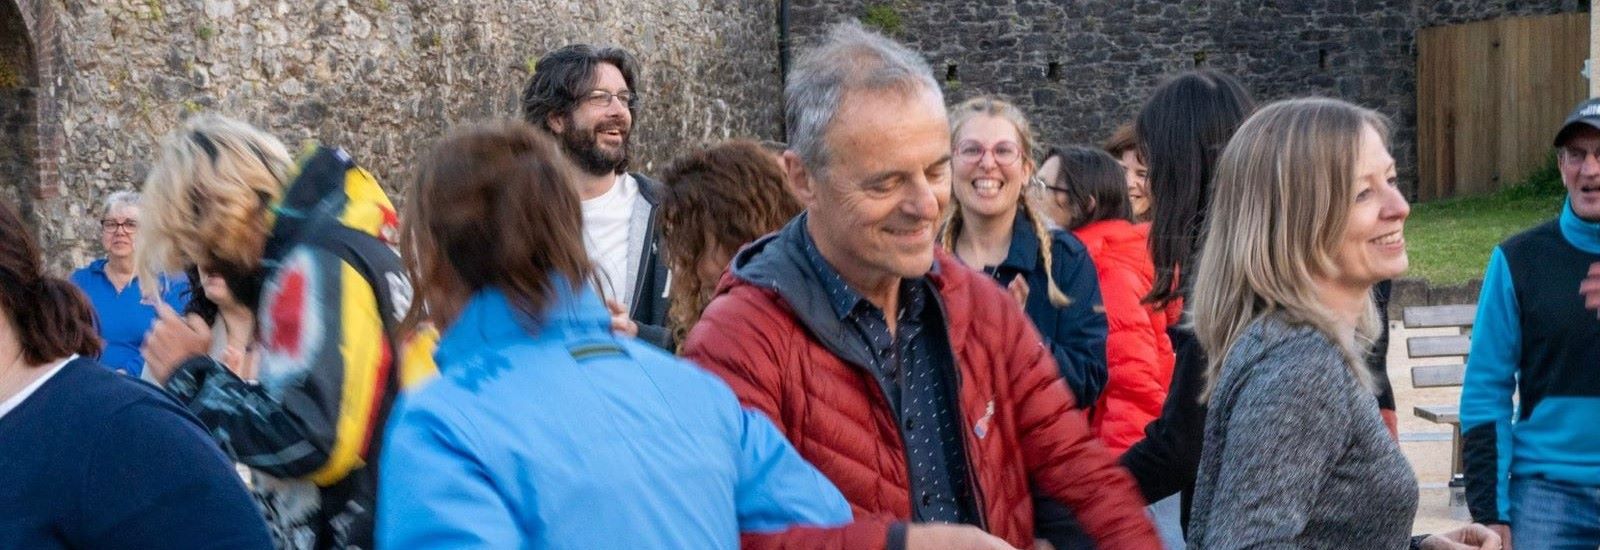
[(1590, 288), (173, 339), (950, 536), (620, 323), (1019, 291), (1471, 537)]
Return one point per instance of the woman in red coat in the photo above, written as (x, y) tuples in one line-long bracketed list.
[(1138, 353)]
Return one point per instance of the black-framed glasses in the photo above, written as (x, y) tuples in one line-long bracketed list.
[(1005, 153), (112, 226), (602, 99)]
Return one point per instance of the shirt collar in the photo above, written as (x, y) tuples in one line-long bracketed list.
[(844, 299), (1024, 252)]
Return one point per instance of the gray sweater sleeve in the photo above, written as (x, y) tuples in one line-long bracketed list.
[(1286, 423)]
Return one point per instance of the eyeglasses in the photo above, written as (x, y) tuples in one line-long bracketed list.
[(1574, 155), (111, 226), (1037, 181), (602, 98), (1005, 153)]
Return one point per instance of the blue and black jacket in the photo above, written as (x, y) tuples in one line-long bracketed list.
[(1533, 339)]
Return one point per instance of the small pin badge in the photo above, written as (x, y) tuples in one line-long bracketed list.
[(981, 429)]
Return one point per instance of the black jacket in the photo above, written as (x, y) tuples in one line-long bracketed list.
[(1167, 459), (650, 301)]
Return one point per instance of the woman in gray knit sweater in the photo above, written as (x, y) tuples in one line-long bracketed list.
[(1296, 454)]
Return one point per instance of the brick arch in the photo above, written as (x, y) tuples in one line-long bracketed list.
[(18, 115), (30, 124)]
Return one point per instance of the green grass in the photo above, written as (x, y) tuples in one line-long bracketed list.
[(1449, 240)]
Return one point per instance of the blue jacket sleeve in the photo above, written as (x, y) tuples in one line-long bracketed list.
[(1079, 342), (437, 493), (1486, 395), (777, 488)]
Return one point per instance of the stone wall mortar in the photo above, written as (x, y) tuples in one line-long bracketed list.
[(1080, 68), (381, 78)]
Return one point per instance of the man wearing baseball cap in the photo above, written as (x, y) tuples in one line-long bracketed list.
[(1533, 464)]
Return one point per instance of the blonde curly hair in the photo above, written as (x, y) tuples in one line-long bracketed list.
[(208, 199)]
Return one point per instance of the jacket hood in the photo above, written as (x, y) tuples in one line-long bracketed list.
[(1118, 241), (778, 264)]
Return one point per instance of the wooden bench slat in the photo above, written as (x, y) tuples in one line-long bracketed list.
[(1437, 376), (1438, 346), (1441, 316), (1439, 414)]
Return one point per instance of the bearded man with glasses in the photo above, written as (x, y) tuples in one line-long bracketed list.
[(121, 315), (587, 98)]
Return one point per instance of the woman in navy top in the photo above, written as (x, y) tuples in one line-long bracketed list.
[(121, 315), (91, 459)]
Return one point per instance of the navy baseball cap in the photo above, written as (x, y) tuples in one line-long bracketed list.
[(1587, 114)]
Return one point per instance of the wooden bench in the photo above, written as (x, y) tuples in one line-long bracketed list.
[(1459, 317)]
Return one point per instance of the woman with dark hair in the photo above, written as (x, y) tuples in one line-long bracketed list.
[(625, 446), (1181, 130), (1124, 145), (713, 202), (89, 458), (1138, 351)]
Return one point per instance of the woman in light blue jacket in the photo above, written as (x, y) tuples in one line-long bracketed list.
[(544, 429)]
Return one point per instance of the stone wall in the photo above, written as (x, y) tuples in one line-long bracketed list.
[(381, 78), (1082, 67)]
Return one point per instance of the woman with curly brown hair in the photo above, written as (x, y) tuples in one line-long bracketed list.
[(716, 200)]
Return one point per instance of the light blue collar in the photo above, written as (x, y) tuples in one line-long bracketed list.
[(490, 320), (1582, 234)]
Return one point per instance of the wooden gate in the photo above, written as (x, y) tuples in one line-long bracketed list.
[(1490, 96)]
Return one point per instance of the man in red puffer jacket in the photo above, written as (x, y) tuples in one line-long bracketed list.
[(936, 418)]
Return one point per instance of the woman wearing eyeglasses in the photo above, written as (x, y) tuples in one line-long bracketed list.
[(993, 227), (1091, 184), (121, 315)]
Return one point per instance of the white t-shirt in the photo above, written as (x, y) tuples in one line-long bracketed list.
[(16, 400), (606, 220)]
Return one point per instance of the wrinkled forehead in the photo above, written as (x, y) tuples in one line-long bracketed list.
[(878, 127)]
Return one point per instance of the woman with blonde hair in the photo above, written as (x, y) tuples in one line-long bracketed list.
[(306, 249), (1296, 453), (992, 225)]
